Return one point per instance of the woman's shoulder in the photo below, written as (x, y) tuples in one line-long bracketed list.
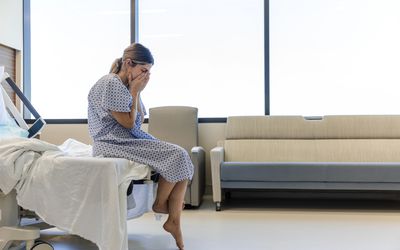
[(110, 78), (112, 85), (109, 81), (104, 82)]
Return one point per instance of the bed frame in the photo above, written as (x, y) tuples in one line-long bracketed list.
[(8, 234), (39, 123)]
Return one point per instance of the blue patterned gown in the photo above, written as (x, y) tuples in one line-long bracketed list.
[(110, 139)]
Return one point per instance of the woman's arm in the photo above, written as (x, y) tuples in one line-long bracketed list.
[(127, 119), (142, 117), (141, 109), (136, 85)]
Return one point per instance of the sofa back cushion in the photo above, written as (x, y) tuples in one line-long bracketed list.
[(328, 127), (306, 150)]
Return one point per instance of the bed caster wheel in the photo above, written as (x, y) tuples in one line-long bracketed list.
[(218, 206), (42, 245)]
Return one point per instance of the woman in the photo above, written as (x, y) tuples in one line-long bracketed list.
[(115, 115)]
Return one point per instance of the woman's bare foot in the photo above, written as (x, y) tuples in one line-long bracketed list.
[(161, 208), (175, 230)]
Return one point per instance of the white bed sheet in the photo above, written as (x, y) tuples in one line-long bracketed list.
[(68, 189)]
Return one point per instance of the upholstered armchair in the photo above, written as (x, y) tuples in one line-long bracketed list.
[(179, 125)]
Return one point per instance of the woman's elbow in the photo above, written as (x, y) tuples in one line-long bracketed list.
[(124, 119), (129, 125)]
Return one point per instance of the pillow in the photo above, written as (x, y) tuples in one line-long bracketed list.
[(8, 127), (7, 131)]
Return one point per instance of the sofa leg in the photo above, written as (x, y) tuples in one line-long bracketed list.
[(190, 206), (218, 206)]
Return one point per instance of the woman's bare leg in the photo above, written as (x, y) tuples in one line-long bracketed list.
[(173, 223), (163, 192), (169, 200)]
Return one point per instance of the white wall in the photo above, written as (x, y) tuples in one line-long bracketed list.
[(209, 135), (11, 23), (11, 32)]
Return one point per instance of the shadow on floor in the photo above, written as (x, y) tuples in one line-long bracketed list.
[(327, 201), (150, 242), (61, 241)]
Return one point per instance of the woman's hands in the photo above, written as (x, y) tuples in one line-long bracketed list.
[(138, 83)]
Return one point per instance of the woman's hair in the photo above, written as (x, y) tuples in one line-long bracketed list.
[(137, 53)]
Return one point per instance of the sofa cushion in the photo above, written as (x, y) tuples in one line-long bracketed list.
[(328, 127), (311, 172), (333, 150)]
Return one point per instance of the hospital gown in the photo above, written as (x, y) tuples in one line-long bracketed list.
[(113, 140)]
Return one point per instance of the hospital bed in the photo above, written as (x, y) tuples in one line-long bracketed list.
[(106, 198)]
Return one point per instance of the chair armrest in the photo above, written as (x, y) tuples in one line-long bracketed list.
[(217, 157), (198, 157), (197, 185), (198, 150)]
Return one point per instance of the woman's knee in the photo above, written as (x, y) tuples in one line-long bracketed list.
[(179, 150)]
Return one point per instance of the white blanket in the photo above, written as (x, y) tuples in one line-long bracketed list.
[(81, 195)]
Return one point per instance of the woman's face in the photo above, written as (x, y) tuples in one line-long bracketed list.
[(139, 69)]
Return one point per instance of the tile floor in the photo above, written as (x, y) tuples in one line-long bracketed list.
[(266, 224)]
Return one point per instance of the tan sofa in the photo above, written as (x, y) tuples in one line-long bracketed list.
[(293, 152)]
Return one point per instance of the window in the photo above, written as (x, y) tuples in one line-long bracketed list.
[(334, 57), (208, 54), (325, 58), (73, 44)]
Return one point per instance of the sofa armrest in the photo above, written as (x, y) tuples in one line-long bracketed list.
[(217, 156), (197, 185)]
